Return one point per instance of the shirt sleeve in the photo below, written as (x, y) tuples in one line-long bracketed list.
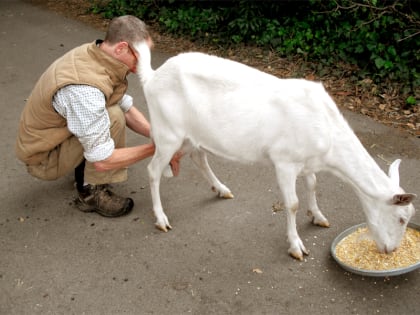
[(83, 107), (126, 103)]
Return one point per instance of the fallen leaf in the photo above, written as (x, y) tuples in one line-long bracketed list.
[(344, 93), (277, 206)]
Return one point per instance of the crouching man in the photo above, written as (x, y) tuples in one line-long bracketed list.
[(76, 116)]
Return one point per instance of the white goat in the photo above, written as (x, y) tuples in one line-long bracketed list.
[(200, 103)]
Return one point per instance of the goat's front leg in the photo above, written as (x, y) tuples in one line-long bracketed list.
[(317, 217), (200, 160), (286, 177), (155, 169)]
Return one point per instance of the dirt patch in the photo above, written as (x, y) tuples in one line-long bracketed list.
[(387, 107)]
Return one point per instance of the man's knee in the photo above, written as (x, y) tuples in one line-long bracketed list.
[(118, 123), (43, 171), (60, 161)]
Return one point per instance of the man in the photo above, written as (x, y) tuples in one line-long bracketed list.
[(76, 115)]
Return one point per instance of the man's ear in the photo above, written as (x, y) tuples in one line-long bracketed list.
[(120, 48)]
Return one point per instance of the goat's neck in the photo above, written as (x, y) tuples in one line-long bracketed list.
[(351, 162), (144, 67)]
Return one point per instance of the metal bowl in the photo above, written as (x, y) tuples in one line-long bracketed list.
[(371, 273)]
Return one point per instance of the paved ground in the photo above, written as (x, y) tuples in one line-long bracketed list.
[(56, 260)]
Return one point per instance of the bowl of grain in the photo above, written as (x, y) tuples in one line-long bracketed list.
[(354, 251)]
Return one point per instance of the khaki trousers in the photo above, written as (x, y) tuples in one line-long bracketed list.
[(69, 154)]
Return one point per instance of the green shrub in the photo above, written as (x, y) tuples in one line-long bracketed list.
[(380, 37)]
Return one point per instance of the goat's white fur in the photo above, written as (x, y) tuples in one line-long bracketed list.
[(200, 103)]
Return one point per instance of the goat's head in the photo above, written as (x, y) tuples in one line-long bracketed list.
[(387, 225)]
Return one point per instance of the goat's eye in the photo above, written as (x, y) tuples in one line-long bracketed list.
[(402, 221)]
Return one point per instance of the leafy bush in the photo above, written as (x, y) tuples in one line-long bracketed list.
[(380, 37)]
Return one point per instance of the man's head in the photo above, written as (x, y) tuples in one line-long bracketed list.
[(122, 32)]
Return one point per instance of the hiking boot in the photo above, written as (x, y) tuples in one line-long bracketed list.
[(99, 199)]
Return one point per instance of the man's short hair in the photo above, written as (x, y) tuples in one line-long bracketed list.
[(127, 28)]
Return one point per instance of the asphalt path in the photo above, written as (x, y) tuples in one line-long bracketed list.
[(222, 257)]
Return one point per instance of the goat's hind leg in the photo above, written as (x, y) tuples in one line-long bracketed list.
[(317, 217), (200, 160)]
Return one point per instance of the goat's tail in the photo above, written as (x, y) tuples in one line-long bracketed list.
[(144, 66)]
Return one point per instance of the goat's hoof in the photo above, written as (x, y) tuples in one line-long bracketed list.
[(223, 193), (298, 256), (298, 253), (227, 195), (163, 227), (325, 224), (321, 223)]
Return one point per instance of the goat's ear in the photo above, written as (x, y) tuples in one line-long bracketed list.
[(403, 199), (393, 172)]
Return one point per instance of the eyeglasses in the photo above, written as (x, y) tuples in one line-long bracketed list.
[(132, 51)]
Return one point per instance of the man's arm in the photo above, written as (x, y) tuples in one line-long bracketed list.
[(136, 121), (124, 157)]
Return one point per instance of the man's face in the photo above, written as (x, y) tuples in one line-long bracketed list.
[(128, 55)]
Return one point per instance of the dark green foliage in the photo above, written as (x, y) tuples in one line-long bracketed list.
[(381, 37)]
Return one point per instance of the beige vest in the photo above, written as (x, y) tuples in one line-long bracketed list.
[(41, 128)]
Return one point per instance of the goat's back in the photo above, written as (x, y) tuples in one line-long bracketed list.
[(238, 112)]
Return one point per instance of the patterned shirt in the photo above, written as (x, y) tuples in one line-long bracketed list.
[(83, 107)]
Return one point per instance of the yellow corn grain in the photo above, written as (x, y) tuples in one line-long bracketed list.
[(358, 251)]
